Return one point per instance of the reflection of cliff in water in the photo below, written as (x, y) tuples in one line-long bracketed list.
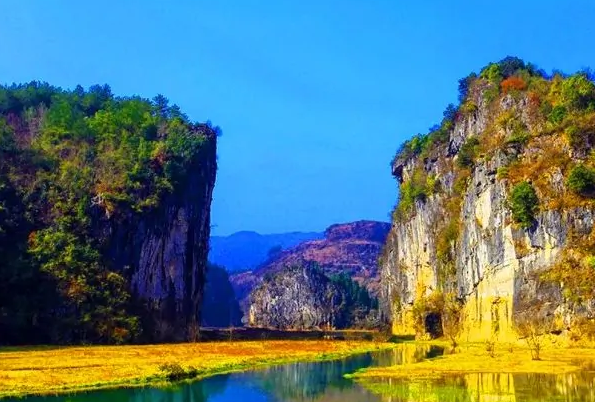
[(309, 381), (490, 387), (407, 353), (323, 381)]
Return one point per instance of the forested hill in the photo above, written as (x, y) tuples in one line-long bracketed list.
[(98, 195)]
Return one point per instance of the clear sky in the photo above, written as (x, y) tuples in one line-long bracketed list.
[(313, 97)]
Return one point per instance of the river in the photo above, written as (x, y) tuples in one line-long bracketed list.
[(324, 382)]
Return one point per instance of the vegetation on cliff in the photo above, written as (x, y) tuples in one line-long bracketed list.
[(538, 130), (69, 162)]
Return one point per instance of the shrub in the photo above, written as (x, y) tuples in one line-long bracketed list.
[(491, 94), (175, 372), (557, 115), (513, 84), (524, 204), (581, 179), (411, 148), (502, 172), (492, 73), (518, 137), (444, 251), (467, 153), (577, 92), (469, 107), (415, 189)]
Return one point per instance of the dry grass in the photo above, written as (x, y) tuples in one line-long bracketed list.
[(54, 370), (476, 359)]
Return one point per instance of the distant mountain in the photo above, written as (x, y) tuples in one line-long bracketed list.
[(247, 250), (351, 248)]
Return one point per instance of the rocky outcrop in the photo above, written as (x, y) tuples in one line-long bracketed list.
[(164, 254), (295, 298), (460, 236), (351, 248)]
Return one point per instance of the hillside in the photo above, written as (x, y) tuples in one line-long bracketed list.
[(351, 248), (247, 250), (493, 232), (104, 216)]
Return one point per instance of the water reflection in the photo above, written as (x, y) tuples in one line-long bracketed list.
[(299, 382), (491, 387), (324, 382)]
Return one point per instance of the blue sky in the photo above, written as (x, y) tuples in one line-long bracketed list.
[(313, 97)]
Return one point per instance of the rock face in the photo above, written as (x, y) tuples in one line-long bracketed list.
[(164, 254), (295, 298), (351, 248), (461, 236)]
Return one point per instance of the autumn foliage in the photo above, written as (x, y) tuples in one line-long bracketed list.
[(513, 84)]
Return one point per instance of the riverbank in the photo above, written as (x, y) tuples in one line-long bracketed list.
[(477, 358), (48, 370)]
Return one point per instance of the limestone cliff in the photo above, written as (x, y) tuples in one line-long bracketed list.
[(295, 298), (164, 253), (350, 250), (104, 216), (467, 222)]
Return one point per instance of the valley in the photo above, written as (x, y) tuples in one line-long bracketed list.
[(109, 275)]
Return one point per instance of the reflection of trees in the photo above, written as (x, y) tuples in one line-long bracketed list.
[(406, 353), (199, 391), (306, 381), (488, 387), (397, 390), (578, 386)]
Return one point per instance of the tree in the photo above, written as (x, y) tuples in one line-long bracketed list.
[(513, 84), (533, 326), (72, 164), (510, 65), (578, 92), (452, 319), (161, 106), (450, 113), (581, 179), (464, 84), (524, 204)]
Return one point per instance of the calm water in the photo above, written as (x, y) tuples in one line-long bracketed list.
[(324, 382)]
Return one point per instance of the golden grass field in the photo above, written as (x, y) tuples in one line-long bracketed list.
[(474, 358), (49, 370)]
